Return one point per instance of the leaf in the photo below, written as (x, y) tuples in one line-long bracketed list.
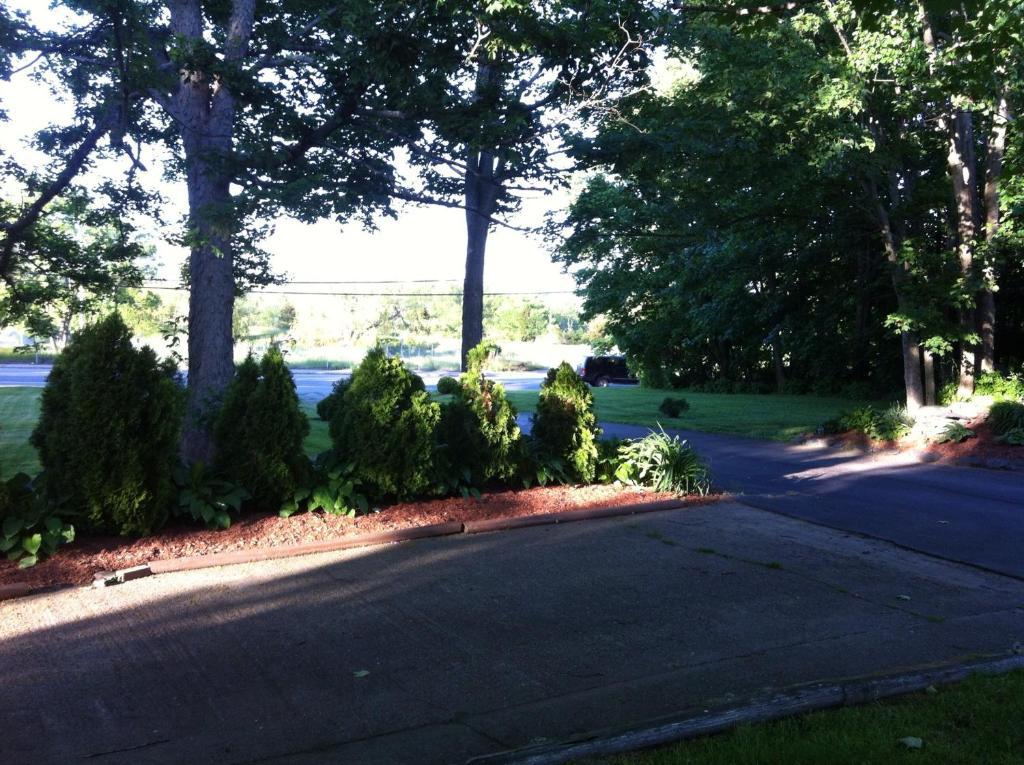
[(28, 560), (31, 543), (53, 524), (912, 742), (13, 525)]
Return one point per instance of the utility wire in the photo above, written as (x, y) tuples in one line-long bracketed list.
[(356, 281), (375, 294)]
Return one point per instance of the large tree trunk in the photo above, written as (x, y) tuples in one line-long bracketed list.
[(909, 342), (993, 173), (929, 378), (482, 186), (479, 198), (211, 305), (205, 110), (962, 169)]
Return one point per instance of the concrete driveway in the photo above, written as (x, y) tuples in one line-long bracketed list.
[(438, 650)]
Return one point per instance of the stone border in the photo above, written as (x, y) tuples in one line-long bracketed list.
[(234, 557), (795, 701)]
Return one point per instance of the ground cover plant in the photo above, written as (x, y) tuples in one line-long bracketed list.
[(1006, 416), (980, 720)]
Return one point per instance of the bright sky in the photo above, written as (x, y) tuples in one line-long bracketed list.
[(423, 243)]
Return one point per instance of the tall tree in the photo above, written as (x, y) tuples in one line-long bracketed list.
[(524, 72), (265, 108)]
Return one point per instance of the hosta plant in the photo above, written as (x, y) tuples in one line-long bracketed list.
[(954, 433), (334, 490), (206, 498), (29, 527)]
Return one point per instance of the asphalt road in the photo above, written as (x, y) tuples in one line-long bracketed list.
[(970, 515), (439, 650), (311, 384)]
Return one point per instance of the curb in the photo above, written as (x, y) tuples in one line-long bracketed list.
[(795, 701), (569, 516), (256, 555), (271, 553), (11, 591)]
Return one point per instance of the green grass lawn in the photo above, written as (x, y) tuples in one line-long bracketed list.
[(774, 417), (19, 410), (978, 721)]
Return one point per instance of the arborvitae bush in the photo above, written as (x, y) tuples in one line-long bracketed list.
[(478, 436), (259, 432), (108, 431), (564, 426), (385, 427), (326, 407)]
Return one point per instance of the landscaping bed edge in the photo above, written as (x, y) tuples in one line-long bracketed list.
[(235, 557)]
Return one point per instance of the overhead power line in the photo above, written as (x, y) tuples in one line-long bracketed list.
[(353, 281), (376, 294)]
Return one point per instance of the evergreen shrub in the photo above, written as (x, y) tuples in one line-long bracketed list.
[(108, 431)]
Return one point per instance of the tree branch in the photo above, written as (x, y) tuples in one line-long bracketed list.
[(15, 231)]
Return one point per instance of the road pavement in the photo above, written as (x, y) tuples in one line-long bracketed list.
[(971, 515), (311, 384), (443, 649)]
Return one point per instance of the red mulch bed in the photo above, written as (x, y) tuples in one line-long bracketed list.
[(78, 562), (984, 447), (978, 450)]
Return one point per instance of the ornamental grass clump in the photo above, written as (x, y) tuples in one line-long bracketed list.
[(259, 432), (108, 430), (565, 429), (663, 463)]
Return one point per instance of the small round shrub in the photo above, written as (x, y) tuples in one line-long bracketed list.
[(1004, 416), (108, 431), (259, 431), (673, 407), (385, 428), (564, 426), (448, 386)]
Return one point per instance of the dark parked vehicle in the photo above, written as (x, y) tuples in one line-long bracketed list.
[(600, 371)]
